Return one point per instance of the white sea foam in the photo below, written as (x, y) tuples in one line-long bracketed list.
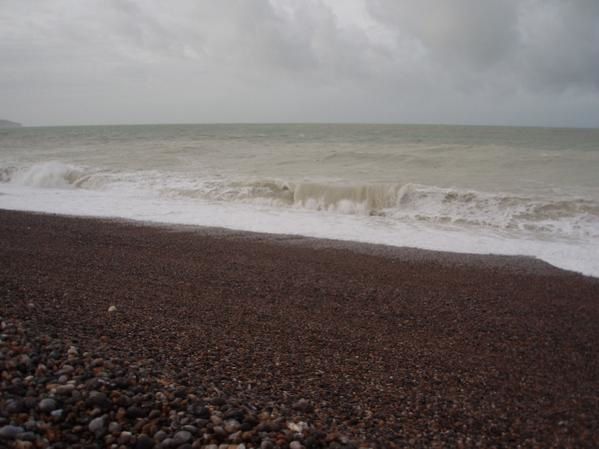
[(550, 217), (570, 255)]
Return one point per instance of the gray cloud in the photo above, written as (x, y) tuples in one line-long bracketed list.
[(560, 47), (478, 33), (536, 44), (467, 61)]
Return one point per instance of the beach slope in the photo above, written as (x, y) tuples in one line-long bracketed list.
[(381, 347)]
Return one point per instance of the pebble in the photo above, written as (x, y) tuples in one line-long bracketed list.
[(144, 442), (97, 427), (47, 405), (27, 436), (234, 413), (298, 427), (112, 309), (66, 369), (31, 425), (13, 406), (65, 390), (183, 436), (160, 435), (190, 428), (267, 444), (231, 425), (202, 412), (235, 437), (20, 444), (136, 412), (303, 405), (124, 437), (10, 432), (98, 399)]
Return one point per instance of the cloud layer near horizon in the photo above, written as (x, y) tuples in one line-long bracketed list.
[(528, 62)]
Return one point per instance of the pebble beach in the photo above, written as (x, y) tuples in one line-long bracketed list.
[(122, 335)]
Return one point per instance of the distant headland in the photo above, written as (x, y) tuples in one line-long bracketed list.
[(9, 124)]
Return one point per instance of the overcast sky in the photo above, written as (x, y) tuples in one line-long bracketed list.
[(514, 62)]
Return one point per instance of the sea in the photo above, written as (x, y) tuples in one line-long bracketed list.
[(467, 189)]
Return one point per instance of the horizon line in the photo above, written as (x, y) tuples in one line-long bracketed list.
[(266, 123)]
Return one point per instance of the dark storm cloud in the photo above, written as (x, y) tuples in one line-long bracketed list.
[(509, 61)]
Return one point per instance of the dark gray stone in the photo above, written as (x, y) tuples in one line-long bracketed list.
[(98, 426), (10, 432), (182, 437), (47, 405)]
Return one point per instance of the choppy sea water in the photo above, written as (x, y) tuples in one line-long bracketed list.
[(526, 191)]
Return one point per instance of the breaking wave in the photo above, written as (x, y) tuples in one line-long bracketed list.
[(571, 217), (57, 175), (45, 175), (545, 216)]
